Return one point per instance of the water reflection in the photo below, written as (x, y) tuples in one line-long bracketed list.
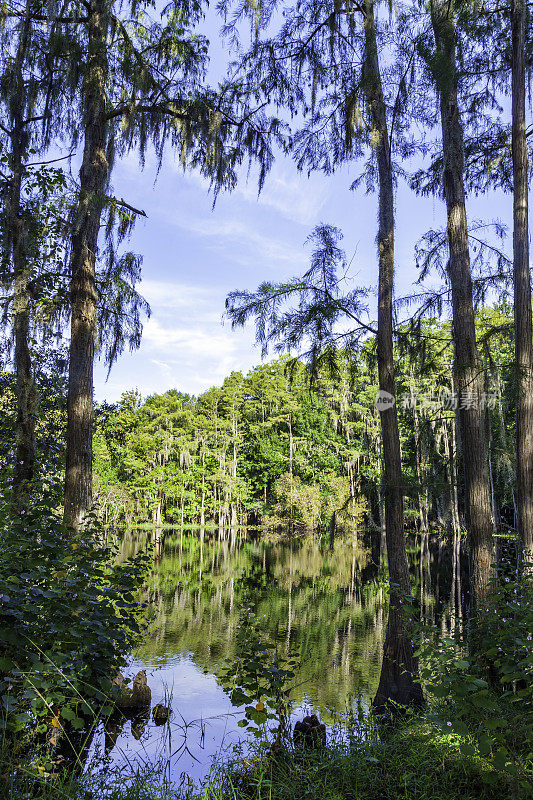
[(326, 605)]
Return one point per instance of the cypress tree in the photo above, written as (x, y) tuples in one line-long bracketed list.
[(29, 90), (334, 132), (468, 375), (141, 83), (522, 285)]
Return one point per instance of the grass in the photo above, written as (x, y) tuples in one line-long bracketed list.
[(413, 761)]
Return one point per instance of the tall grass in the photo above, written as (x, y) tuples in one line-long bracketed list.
[(414, 760)]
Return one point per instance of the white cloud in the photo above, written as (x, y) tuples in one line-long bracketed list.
[(165, 368), (183, 341), (255, 247), (291, 196), (184, 345), (167, 295), (288, 192)]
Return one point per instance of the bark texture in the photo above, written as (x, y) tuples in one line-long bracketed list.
[(522, 288), (94, 174), (467, 367), (399, 667), (24, 471)]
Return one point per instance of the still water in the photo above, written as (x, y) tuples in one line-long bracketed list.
[(327, 606)]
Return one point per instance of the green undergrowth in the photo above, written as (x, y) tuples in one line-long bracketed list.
[(414, 760)]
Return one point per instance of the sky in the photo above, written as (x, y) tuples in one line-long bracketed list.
[(194, 254)]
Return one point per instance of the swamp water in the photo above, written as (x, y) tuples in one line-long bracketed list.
[(327, 607)]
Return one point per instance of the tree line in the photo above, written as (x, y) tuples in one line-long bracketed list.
[(264, 449)]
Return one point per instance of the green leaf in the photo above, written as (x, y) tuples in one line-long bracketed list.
[(459, 727), (500, 758), (461, 664), (238, 697), (438, 690), (492, 724)]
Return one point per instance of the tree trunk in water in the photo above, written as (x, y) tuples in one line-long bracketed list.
[(522, 289), (399, 669), (422, 488), (467, 367), (94, 174), (332, 530), (24, 470), (450, 460), (202, 507)]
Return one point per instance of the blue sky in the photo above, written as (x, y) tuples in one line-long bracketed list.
[(194, 255)]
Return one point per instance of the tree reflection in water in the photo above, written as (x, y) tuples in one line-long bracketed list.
[(326, 606)]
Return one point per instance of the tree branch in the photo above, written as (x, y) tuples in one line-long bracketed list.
[(123, 203)]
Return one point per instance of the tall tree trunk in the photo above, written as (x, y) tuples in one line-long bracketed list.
[(468, 377), (24, 471), (399, 668), (202, 507), (493, 502), (450, 460), (94, 174), (522, 288), (25, 455), (420, 477)]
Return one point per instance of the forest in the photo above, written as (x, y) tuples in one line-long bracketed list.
[(315, 578), (246, 452)]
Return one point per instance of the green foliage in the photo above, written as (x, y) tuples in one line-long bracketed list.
[(172, 457), (296, 500), (487, 698), (69, 617), (260, 678), (268, 446), (413, 760), (49, 426)]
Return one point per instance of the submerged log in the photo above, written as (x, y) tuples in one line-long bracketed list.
[(138, 697), (309, 732), (160, 714)]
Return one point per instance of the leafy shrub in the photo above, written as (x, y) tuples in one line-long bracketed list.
[(259, 678), (68, 620), (297, 500), (486, 696)]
